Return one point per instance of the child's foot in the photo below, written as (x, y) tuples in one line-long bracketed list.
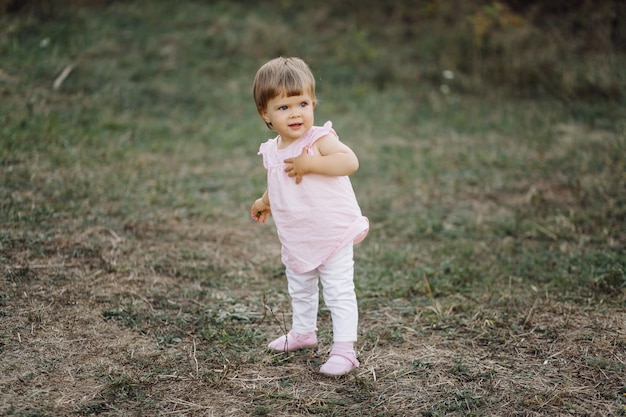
[(293, 341), (340, 362)]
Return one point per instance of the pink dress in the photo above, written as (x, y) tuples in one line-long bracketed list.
[(315, 218)]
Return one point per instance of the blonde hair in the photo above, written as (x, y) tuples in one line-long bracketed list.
[(282, 76)]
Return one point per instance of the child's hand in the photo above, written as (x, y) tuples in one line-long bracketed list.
[(299, 166), (260, 211)]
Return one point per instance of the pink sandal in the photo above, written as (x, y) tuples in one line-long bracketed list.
[(293, 341), (340, 362)]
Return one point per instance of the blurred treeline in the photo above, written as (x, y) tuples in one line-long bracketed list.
[(569, 49)]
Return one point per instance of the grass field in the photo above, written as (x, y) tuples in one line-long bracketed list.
[(134, 283)]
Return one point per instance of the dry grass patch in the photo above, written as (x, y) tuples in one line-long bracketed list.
[(98, 331)]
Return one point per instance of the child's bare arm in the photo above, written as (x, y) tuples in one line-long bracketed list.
[(335, 159), (260, 209)]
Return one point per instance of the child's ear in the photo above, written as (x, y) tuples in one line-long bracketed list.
[(267, 121)]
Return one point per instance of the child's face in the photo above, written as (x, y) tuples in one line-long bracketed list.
[(291, 116)]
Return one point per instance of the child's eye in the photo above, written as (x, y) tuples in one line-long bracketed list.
[(304, 104), (282, 108)]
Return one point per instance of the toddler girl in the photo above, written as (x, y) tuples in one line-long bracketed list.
[(314, 208)]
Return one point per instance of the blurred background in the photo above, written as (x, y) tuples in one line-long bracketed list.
[(570, 49)]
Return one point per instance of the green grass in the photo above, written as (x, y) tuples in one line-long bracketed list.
[(134, 283)]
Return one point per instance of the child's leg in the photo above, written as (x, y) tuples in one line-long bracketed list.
[(304, 293), (337, 276)]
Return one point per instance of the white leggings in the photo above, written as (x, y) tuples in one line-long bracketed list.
[(337, 278)]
